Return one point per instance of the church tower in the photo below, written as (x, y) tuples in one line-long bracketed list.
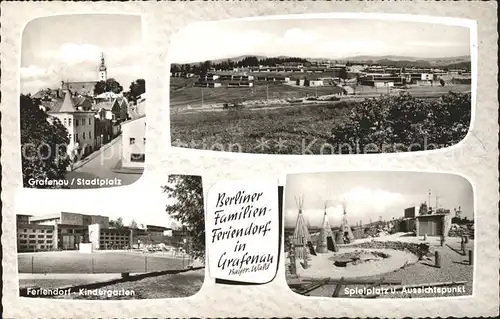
[(103, 75)]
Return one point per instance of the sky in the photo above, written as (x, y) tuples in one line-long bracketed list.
[(146, 204), (317, 38), (372, 194), (68, 47)]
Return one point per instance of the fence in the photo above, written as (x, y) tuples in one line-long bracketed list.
[(102, 262)]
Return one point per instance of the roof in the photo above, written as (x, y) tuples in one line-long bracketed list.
[(134, 119), (157, 227), (79, 86), (68, 104), (107, 105), (51, 216), (107, 95), (430, 215)]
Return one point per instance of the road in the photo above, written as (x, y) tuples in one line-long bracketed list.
[(101, 167)]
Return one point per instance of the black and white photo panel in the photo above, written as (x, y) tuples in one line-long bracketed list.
[(82, 102), (379, 234), (290, 85), (124, 255)]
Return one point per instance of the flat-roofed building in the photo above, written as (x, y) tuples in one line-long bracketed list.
[(134, 143)]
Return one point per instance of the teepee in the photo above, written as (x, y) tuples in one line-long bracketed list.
[(346, 229), (326, 239), (301, 235)]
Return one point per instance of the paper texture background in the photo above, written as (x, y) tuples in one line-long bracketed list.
[(476, 159)]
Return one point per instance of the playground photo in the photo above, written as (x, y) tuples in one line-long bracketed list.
[(80, 256), (379, 235)]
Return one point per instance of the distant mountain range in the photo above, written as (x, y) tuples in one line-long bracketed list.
[(386, 59), (432, 61)]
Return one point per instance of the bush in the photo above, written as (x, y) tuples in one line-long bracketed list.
[(404, 123)]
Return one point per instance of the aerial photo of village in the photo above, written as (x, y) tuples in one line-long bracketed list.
[(287, 87)]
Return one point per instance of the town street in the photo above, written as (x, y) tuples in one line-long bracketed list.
[(103, 167)]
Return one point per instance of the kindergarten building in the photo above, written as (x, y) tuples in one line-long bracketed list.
[(65, 231)]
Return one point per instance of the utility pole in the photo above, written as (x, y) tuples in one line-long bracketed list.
[(437, 202), (267, 91), (429, 200), (202, 97)]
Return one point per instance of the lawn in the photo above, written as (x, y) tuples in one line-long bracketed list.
[(289, 129), (243, 130), (193, 95), (99, 262), (165, 286)]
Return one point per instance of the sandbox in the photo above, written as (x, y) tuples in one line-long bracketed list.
[(353, 262)]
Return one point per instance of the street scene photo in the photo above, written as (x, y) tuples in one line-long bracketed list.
[(82, 102), (379, 235), (310, 86), (156, 254)]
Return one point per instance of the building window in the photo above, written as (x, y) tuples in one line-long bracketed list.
[(70, 137), (132, 140), (84, 135), (144, 141), (135, 157), (69, 121), (76, 138), (65, 122), (90, 136), (90, 121), (76, 122)]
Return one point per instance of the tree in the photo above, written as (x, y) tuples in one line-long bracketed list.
[(205, 66), (343, 74), (44, 143), (118, 223), (187, 193), (110, 85), (137, 87), (404, 122), (133, 224), (441, 81)]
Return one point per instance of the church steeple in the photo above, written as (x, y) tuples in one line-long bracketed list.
[(102, 69)]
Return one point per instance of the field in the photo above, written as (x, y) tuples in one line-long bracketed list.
[(278, 128), (99, 262), (165, 286), (193, 95)]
